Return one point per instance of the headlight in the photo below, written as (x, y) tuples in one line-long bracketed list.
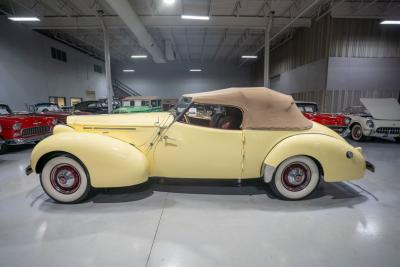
[(347, 121), (370, 123), (16, 126), (54, 122)]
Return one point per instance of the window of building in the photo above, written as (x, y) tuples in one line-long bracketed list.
[(58, 54), (97, 68), (75, 100), (58, 100)]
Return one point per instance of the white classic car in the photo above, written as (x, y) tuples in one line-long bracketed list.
[(377, 117)]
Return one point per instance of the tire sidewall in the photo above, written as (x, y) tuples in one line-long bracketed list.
[(80, 194), (312, 185), (353, 130)]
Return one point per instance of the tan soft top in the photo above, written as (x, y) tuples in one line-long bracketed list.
[(262, 108)]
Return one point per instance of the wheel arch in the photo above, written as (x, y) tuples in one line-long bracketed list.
[(327, 152), (109, 161)]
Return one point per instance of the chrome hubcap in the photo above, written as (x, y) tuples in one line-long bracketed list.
[(65, 178), (296, 176), (357, 132)]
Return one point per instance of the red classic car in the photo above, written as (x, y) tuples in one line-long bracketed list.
[(337, 122), (19, 129), (53, 110)]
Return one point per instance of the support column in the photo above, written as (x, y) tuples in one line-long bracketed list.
[(110, 93), (266, 51)]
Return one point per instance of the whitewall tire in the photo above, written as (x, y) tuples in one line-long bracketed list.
[(357, 133), (65, 179), (296, 178)]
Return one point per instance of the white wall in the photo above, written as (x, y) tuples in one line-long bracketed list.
[(174, 79), (28, 74)]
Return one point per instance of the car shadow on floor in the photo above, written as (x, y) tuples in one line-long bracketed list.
[(328, 195), (345, 193)]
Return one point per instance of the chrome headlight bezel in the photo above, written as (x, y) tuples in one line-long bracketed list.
[(54, 122), (347, 120), (17, 126), (370, 123)]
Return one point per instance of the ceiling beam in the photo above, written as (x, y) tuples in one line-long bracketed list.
[(218, 22), (125, 11)]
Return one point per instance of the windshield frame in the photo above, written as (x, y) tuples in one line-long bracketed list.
[(7, 108)]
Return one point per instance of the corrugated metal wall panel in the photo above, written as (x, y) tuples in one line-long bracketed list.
[(306, 46), (363, 38)]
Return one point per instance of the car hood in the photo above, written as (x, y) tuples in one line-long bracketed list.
[(152, 119), (13, 118), (382, 108)]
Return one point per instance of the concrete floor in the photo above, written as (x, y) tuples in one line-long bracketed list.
[(342, 224)]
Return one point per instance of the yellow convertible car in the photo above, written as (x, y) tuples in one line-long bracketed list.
[(236, 133)]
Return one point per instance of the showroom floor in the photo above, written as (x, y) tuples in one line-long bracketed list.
[(342, 224)]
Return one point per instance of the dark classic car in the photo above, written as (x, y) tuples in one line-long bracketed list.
[(51, 109), (92, 107), (337, 122), (19, 129)]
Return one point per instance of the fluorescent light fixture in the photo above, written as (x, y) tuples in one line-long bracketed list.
[(195, 17), (139, 56), (24, 18), (249, 56), (169, 2), (195, 70), (128, 70), (392, 22)]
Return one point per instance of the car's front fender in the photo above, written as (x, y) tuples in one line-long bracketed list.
[(110, 162), (338, 160)]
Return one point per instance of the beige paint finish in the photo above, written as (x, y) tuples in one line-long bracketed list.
[(125, 149)]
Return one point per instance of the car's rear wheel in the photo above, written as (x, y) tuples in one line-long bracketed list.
[(357, 133), (65, 179), (296, 178)]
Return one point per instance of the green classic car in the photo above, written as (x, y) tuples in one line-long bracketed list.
[(136, 104)]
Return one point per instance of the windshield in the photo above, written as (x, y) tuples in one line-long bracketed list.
[(182, 104), (47, 107), (307, 107), (4, 110)]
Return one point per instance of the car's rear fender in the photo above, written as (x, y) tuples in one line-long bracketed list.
[(110, 162), (338, 160)]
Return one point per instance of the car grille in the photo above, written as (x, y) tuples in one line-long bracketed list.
[(39, 130), (388, 130)]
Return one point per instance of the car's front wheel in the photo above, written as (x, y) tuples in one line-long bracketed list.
[(296, 178), (65, 179), (357, 133)]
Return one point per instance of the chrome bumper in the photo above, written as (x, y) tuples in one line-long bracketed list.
[(25, 141), (369, 166)]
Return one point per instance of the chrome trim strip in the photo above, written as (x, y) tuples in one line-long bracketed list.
[(108, 128)]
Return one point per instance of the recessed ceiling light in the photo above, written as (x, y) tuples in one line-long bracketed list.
[(128, 70), (169, 2), (249, 56), (139, 56), (393, 22), (195, 70), (195, 17), (24, 18)]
